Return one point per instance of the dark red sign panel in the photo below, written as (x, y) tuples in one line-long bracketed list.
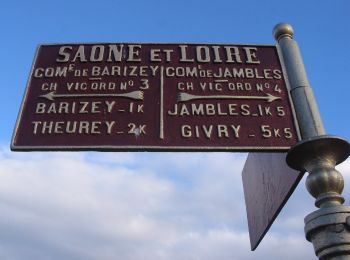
[(130, 96), (268, 183)]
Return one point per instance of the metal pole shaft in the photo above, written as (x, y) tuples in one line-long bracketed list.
[(308, 116), (317, 153)]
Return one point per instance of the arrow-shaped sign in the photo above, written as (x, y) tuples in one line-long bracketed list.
[(183, 97), (138, 95)]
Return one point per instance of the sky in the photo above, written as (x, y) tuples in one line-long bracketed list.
[(142, 205)]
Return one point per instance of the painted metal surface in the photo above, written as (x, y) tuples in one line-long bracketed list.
[(318, 154), (268, 183), (133, 96)]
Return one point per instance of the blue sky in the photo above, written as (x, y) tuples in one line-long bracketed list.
[(155, 205)]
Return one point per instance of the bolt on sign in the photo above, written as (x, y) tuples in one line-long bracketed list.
[(131, 96)]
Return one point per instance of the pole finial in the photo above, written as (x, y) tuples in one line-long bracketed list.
[(283, 30)]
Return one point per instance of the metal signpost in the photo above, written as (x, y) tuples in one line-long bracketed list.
[(128, 96), (196, 97), (327, 228)]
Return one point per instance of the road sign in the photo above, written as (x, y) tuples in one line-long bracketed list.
[(268, 183), (131, 96)]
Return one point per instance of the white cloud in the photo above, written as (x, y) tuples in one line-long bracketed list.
[(142, 206)]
